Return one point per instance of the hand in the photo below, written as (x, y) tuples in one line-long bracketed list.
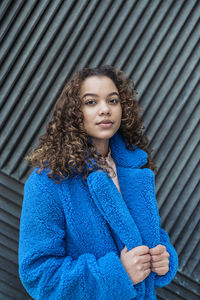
[(159, 260), (137, 263)]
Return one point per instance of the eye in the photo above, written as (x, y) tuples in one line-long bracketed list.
[(114, 101), (90, 102)]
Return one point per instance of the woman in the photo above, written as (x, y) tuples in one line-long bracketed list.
[(90, 227)]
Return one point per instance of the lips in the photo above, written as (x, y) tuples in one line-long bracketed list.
[(105, 122)]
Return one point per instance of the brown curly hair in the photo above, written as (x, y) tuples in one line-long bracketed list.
[(66, 149)]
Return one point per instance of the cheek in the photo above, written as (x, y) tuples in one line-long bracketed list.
[(119, 113), (87, 118)]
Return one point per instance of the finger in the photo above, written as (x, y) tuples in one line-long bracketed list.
[(140, 250), (159, 264), (155, 258), (146, 258), (157, 250), (160, 257), (160, 271), (147, 266)]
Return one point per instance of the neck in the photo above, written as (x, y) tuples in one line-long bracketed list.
[(102, 147)]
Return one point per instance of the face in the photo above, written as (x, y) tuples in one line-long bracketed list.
[(101, 108)]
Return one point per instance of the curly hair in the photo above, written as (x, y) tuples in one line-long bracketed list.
[(66, 149)]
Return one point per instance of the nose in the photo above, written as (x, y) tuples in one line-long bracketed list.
[(104, 108)]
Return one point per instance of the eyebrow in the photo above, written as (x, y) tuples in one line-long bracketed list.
[(95, 95)]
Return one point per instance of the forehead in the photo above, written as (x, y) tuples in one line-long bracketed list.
[(98, 85)]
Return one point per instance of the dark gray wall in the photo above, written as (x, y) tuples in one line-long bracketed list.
[(155, 43)]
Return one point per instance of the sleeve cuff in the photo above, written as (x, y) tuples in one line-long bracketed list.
[(115, 277)]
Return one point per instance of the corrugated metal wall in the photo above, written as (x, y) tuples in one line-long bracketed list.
[(156, 43)]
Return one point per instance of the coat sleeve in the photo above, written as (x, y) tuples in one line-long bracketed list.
[(45, 269), (163, 280)]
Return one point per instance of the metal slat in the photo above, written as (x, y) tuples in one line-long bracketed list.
[(158, 60), (15, 83), (167, 152), (173, 61), (21, 33), (187, 212), (179, 207), (12, 12), (179, 164)]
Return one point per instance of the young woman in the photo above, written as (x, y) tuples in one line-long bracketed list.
[(90, 226)]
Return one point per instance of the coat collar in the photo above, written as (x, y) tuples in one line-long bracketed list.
[(124, 157)]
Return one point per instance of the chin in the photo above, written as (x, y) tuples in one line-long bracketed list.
[(106, 136)]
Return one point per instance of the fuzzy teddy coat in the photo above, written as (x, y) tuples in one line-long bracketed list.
[(71, 234)]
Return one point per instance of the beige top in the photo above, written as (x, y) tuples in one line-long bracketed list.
[(112, 164)]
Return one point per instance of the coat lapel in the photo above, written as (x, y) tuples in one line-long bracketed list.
[(113, 207), (138, 190)]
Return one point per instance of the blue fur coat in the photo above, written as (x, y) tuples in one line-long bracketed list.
[(71, 234)]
